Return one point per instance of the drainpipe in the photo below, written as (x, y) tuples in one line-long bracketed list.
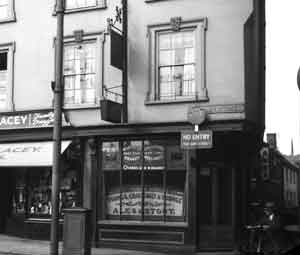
[(259, 55), (125, 71), (57, 127)]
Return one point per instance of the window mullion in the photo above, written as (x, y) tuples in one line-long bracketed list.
[(121, 179), (165, 184), (143, 184)]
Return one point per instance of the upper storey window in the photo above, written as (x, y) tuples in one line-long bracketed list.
[(84, 4), (177, 61), (176, 65), (6, 76), (82, 70), (80, 74), (7, 11)]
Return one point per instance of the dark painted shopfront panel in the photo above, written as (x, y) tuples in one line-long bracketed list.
[(143, 191)]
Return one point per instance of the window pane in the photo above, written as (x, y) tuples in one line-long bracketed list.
[(72, 4), (111, 155), (132, 155), (3, 61), (112, 194), (175, 157), (177, 40), (164, 41), (131, 203), (179, 56), (189, 39), (4, 9), (154, 155), (175, 195), (165, 74), (165, 57), (69, 67), (189, 55), (3, 88), (154, 195)]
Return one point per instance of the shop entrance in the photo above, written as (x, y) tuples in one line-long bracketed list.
[(215, 192)]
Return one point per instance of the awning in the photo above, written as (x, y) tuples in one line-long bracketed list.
[(28, 154)]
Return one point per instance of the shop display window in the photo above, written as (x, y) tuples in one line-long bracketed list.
[(32, 193), (144, 180)]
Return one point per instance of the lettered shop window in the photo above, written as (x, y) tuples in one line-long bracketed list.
[(144, 180), (80, 74), (177, 62), (82, 4), (7, 10), (6, 66)]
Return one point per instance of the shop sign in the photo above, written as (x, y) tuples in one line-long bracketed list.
[(132, 156), (153, 203), (28, 154), (154, 157), (196, 140), (27, 120)]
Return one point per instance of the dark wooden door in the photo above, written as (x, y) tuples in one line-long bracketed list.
[(215, 207)]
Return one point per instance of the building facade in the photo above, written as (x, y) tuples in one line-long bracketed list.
[(188, 61)]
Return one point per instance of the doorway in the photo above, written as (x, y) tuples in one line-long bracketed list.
[(215, 207)]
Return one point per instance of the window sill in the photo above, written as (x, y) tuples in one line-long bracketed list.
[(81, 107), (78, 10), (41, 220), (178, 101), (143, 223), (8, 20)]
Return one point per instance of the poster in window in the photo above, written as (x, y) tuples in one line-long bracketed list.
[(111, 158), (175, 157), (132, 155), (154, 202), (154, 156)]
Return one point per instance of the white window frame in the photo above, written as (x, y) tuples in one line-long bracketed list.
[(10, 49), (12, 15), (199, 26), (98, 38)]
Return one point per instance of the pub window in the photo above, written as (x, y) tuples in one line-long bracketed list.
[(7, 12), (144, 180), (6, 76), (177, 61), (32, 192)]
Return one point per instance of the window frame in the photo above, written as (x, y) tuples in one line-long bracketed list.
[(98, 39), (81, 9), (199, 26), (167, 169), (10, 49), (12, 13)]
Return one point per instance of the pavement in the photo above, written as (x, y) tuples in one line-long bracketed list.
[(19, 246), (10, 245)]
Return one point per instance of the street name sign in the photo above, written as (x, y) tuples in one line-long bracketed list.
[(202, 139)]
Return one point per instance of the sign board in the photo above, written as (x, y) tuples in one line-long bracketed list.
[(153, 205), (116, 49), (196, 115), (202, 139), (28, 154), (36, 119)]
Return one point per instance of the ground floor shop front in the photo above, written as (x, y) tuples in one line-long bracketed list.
[(144, 190)]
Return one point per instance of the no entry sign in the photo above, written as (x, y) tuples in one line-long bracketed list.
[(196, 140)]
